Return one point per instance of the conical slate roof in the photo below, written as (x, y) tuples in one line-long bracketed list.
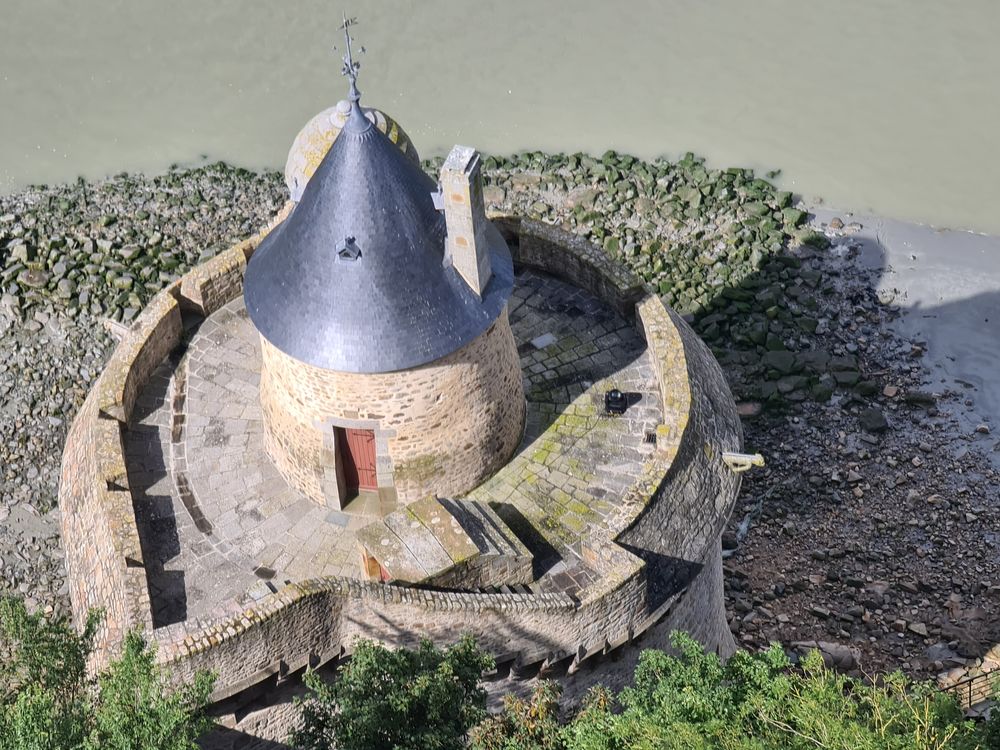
[(393, 307)]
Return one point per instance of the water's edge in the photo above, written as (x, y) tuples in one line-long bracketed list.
[(884, 107)]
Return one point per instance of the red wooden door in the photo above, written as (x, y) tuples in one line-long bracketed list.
[(357, 448)]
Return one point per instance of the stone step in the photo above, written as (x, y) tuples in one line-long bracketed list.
[(449, 543), (486, 529)]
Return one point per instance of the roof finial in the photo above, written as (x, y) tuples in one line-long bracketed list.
[(351, 66)]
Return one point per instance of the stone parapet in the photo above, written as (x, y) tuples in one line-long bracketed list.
[(101, 543), (104, 558), (209, 286), (313, 621), (152, 337), (650, 569), (571, 257), (659, 560), (664, 340)]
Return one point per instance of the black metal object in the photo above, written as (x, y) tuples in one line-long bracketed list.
[(398, 305), (615, 402), (348, 249)]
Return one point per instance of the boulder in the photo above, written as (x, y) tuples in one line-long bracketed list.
[(872, 420)]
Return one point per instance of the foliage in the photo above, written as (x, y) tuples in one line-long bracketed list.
[(47, 702), (752, 702), (44, 700), (134, 712), (523, 725), (396, 699)]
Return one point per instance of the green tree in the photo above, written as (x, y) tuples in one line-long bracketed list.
[(47, 701), (524, 724), (135, 711), (396, 699), (691, 700), (44, 698)]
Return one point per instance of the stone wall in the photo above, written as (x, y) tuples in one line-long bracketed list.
[(701, 611), (662, 563), (312, 621), (151, 338), (678, 534), (104, 561), (210, 285), (571, 257), (439, 428), (690, 510), (103, 555), (97, 570), (663, 567)]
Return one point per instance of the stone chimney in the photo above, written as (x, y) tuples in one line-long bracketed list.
[(465, 217)]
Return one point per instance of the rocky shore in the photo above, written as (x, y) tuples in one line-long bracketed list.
[(873, 527), (75, 260)]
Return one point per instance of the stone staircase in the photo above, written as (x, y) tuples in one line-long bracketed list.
[(447, 544)]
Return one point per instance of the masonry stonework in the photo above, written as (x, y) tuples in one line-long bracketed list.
[(465, 216), (444, 426), (658, 562)]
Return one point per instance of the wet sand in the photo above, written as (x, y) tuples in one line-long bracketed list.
[(947, 285)]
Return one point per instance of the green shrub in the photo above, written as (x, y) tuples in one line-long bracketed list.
[(47, 702), (690, 700), (134, 710), (524, 724), (396, 699)]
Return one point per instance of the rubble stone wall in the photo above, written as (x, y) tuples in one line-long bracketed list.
[(103, 559), (571, 257), (313, 621), (679, 531), (443, 427), (151, 338), (669, 548), (691, 507), (701, 610), (100, 538), (210, 285)]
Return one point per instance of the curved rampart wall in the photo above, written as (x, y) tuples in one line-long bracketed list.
[(442, 427), (678, 533), (687, 497), (571, 257), (313, 621), (104, 562), (101, 544)]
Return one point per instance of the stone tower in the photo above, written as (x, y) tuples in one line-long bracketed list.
[(389, 370)]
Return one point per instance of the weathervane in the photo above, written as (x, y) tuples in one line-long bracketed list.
[(351, 66)]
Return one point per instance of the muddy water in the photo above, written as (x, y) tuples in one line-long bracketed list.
[(890, 107)]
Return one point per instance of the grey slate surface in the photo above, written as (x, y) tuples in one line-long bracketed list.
[(396, 306)]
